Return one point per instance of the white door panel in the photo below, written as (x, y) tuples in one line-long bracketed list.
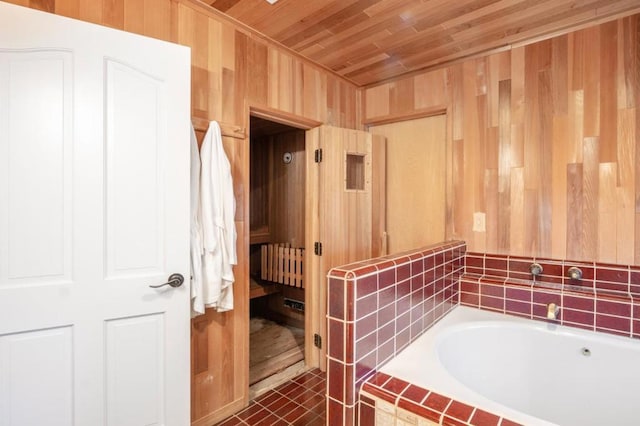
[(94, 163)]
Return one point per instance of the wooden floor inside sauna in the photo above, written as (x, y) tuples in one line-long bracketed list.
[(273, 348)]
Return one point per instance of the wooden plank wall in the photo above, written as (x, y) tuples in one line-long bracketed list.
[(543, 139), (232, 69)]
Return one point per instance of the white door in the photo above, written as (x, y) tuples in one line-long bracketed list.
[(94, 203)]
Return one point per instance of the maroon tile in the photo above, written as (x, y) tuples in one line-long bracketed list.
[(366, 285), (395, 385), (386, 351), (604, 286), (232, 421), (379, 379), (497, 263), (517, 308), (475, 260), (313, 401), (268, 398), (551, 268), (417, 312), (336, 298), (386, 314), (307, 418), (287, 387), (365, 346), (386, 278), (337, 273), (250, 411), (289, 408), (518, 293), (366, 325), (335, 379), (387, 296), (436, 402), (403, 271), (429, 262), (546, 297), (270, 420), (575, 302), (520, 266), (404, 288), (403, 321), (416, 282), (361, 269), (492, 290), (420, 410), (335, 348), (482, 418), (507, 422), (459, 411), (417, 267), (415, 393), (622, 325), (635, 324), (335, 414), (386, 332), (380, 393), (366, 305), (612, 274), (450, 421), (492, 303), (613, 307), (469, 286), (367, 415), (470, 299), (349, 387), (579, 317), (403, 304), (403, 339)]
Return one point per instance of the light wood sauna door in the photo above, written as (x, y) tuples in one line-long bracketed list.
[(416, 172), (343, 213)]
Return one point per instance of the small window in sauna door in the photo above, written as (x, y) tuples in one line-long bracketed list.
[(355, 171)]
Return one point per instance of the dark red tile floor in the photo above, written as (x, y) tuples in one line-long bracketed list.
[(299, 401)]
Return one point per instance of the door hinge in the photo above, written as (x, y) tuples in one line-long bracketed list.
[(317, 248), (317, 341), (318, 155)]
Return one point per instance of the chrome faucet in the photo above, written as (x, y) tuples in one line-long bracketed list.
[(535, 269), (575, 273), (552, 311)]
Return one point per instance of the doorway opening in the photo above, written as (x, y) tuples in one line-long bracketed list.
[(277, 238)]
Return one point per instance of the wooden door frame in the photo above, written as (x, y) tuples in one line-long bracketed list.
[(311, 355)]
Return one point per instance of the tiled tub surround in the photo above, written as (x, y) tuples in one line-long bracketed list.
[(376, 308), (607, 299), (511, 366)]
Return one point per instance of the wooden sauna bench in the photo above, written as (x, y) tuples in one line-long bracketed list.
[(259, 288)]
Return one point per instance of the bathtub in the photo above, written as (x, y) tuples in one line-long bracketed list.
[(531, 372)]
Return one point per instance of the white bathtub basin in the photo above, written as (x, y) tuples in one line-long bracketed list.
[(528, 371)]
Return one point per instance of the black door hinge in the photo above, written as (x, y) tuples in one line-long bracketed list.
[(317, 248), (318, 155), (317, 341)]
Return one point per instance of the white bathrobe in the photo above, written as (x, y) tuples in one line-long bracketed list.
[(197, 303), (217, 212)]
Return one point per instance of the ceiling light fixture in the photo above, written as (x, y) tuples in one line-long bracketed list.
[(271, 1)]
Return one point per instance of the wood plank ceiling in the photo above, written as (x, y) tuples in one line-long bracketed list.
[(368, 41)]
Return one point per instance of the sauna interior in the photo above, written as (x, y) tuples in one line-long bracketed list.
[(277, 238)]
